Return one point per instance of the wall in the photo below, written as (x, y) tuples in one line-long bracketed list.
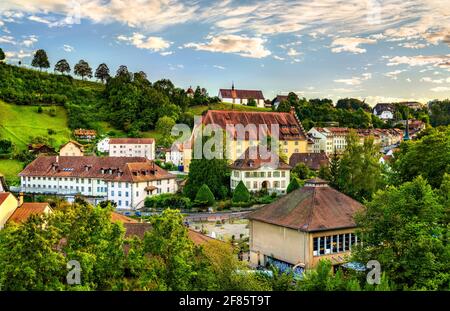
[(70, 150), (7, 208)]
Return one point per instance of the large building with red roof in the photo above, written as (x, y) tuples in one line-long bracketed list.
[(242, 97), (311, 223), (125, 180), (132, 147)]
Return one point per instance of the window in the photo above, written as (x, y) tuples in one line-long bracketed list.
[(119, 203), (283, 174), (119, 193), (126, 194), (255, 185), (247, 184), (276, 174), (137, 193), (269, 174)]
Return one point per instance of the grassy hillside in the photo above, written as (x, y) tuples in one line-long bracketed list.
[(21, 123), (198, 110)]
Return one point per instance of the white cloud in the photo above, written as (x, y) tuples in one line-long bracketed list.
[(292, 52), (435, 81), (442, 61), (278, 57), (219, 67), (236, 44), (7, 40), (29, 40), (355, 80), (372, 100), (68, 48), (17, 55), (351, 45), (38, 19), (166, 53), (149, 43), (413, 45), (393, 74), (441, 89)]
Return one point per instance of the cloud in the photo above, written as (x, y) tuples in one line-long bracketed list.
[(166, 53), (142, 42), (293, 52), (7, 40), (17, 55), (278, 57), (372, 100), (68, 48), (355, 80), (235, 44), (38, 19), (441, 61), (435, 81), (393, 74), (413, 45), (351, 45), (29, 40), (441, 89), (219, 67)]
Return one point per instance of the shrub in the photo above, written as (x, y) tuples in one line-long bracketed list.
[(293, 185), (51, 131), (241, 193), (167, 200), (40, 110), (204, 196)]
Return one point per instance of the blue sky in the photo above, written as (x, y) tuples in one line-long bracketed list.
[(370, 49)]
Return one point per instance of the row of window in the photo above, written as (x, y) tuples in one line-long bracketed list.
[(258, 185), (332, 244), (255, 174), (77, 188)]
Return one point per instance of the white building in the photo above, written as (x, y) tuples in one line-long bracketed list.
[(241, 97), (103, 145), (384, 111), (175, 154), (260, 170), (132, 147), (124, 180), (322, 139)]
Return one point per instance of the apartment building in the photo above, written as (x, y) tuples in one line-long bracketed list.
[(132, 147)]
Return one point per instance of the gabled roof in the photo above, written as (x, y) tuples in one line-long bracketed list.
[(134, 141), (290, 127), (128, 169), (72, 142), (3, 196), (245, 94), (312, 160), (256, 157), (22, 213), (279, 98), (380, 107), (315, 207)]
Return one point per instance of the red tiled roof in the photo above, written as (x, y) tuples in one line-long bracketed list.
[(116, 217), (85, 132), (135, 141), (246, 94), (289, 126), (313, 160), (255, 157), (130, 169), (3, 196), (22, 213), (315, 207)]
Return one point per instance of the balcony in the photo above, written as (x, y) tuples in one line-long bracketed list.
[(46, 191)]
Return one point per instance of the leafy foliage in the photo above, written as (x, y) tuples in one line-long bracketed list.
[(204, 196), (293, 185), (62, 66), (440, 112), (83, 69), (40, 59), (241, 193)]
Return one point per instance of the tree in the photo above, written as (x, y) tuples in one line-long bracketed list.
[(440, 112), (2, 55), (40, 59), (62, 66), (164, 126), (102, 72), (352, 104), (293, 185), (284, 106), (301, 171), (205, 196), (83, 69), (251, 102), (403, 229), (241, 193), (123, 72)]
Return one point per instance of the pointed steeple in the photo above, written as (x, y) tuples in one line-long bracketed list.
[(232, 85), (406, 136)]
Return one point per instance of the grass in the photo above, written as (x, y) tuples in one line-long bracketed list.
[(198, 110), (21, 123), (10, 169)]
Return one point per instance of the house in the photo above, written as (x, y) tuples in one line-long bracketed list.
[(329, 139), (23, 212), (314, 161), (174, 154), (311, 223), (3, 185), (103, 145), (41, 149), (278, 99), (71, 148), (242, 97), (413, 105), (127, 181), (260, 169), (190, 92), (85, 134), (8, 204), (385, 111), (132, 147), (291, 135)]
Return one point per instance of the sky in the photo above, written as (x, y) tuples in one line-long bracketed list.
[(378, 51)]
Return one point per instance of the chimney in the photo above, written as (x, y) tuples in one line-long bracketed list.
[(57, 158), (292, 110)]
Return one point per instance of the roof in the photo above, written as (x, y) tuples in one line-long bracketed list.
[(22, 213), (380, 107), (3, 185), (85, 132), (312, 160), (279, 98), (255, 157), (134, 141), (72, 142), (315, 207), (121, 218), (247, 94), (290, 127), (128, 169), (3, 196)]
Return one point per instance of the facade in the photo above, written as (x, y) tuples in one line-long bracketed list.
[(384, 111), (71, 149), (260, 169), (8, 204), (125, 180), (241, 97), (311, 223), (175, 154), (314, 161), (132, 147), (292, 137), (85, 134), (103, 145)]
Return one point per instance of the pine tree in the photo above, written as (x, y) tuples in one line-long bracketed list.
[(294, 184), (334, 169), (205, 196), (241, 193)]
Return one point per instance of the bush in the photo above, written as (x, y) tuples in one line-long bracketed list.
[(204, 196), (241, 193), (222, 205), (40, 110), (51, 131), (293, 185), (167, 200)]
